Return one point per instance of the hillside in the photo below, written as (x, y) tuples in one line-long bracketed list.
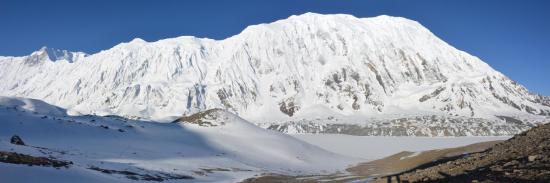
[(523, 158), (41, 143)]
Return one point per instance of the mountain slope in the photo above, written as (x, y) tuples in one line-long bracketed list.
[(116, 149), (523, 158), (302, 68)]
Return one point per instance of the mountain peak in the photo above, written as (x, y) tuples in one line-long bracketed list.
[(53, 54), (324, 17), (310, 16), (318, 15), (138, 40), (332, 23), (43, 48)]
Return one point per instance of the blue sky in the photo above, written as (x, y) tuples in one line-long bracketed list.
[(512, 36)]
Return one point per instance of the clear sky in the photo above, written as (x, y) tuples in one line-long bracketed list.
[(512, 36)]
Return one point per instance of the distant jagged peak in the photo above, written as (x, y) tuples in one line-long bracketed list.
[(137, 44), (53, 54)]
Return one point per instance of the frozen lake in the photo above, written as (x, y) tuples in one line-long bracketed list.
[(376, 147)]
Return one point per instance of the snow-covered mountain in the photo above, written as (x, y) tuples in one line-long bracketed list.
[(310, 70)]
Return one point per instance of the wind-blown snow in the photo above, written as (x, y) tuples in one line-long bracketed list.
[(303, 67), (233, 151)]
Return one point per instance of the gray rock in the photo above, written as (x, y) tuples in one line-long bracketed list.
[(17, 140), (532, 157)]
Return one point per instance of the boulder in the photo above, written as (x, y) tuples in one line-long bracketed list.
[(17, 140)]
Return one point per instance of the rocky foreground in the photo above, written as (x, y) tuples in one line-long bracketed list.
[(523, 158)]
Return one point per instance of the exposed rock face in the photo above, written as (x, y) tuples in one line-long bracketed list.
[(288, 107), (17, 140), (524, 158), (16, 158), (156, 176), (208, 118), (412, 126)]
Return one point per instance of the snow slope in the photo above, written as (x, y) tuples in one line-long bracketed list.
[(301, 68), (224, 153)]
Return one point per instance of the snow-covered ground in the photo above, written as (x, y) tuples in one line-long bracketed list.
[(229, 150), (376, 147)]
